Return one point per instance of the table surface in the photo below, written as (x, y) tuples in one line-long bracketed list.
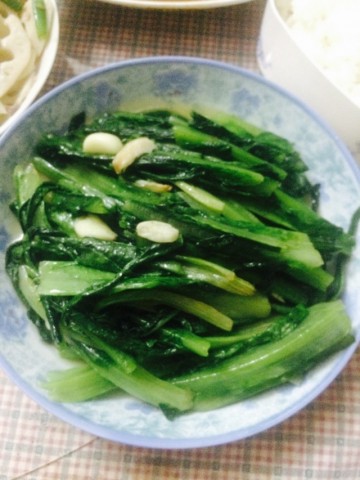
[(320, 442)]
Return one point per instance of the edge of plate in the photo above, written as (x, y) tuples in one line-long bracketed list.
[(175, 4)]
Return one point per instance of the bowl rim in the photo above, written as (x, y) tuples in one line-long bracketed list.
[(107, 433)]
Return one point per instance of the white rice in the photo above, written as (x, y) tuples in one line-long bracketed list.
[(329, 32)]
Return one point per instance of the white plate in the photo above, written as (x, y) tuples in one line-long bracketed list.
[(194, 82), (176, 4), (44, 66)]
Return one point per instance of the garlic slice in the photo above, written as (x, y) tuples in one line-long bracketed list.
[(157, 231), (131, 151), (93, 226), (102, 143)]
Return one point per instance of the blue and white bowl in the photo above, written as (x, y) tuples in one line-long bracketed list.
[(197, 82)]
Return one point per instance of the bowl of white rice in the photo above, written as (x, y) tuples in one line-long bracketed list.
[(312, 48)]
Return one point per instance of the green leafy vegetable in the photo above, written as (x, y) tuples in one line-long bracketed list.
[(273, 363), (245, 298)]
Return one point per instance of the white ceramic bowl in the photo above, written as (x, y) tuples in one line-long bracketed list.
[(283, 61), (43, 66), (197, 82)]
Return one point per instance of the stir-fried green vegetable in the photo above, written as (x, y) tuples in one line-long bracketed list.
[(181, 260)]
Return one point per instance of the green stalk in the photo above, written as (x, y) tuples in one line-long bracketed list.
[(232, 122), (26, 180), (123, 371), (145, 386), (201, 270), (326, 329), (245, 333), (192, 138), (39, 12), (69, 278), (180, 302), (293, 245), (76, 384), (203, 197), (28, 288), (187, 339), (238, 307), (140, 383)]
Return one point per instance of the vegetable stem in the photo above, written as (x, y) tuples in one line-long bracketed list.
[(181, 302), (39, 12), (324, 331)]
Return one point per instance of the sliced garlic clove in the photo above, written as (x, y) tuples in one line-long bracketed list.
[(93, 226), (155, 187), (102, 143), (131, 151), (157, 231)]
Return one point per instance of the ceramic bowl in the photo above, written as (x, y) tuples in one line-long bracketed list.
[(283, 60), (157, 82)]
